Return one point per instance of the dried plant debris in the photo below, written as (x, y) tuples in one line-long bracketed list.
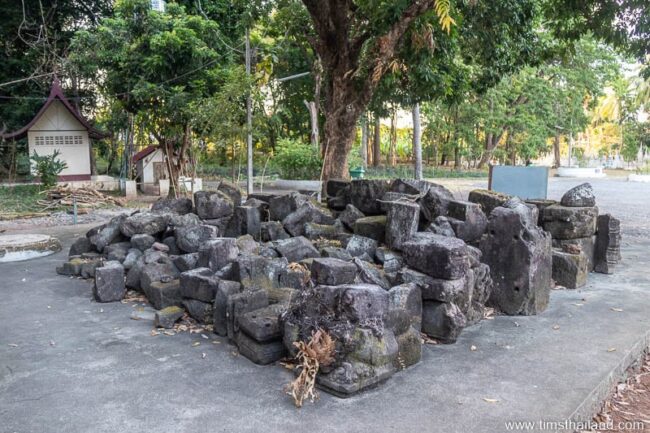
[(628, 407), (319, 350)]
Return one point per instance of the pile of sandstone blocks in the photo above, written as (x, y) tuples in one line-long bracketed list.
[(376, 266)]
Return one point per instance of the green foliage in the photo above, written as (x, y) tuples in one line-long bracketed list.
[(20, 199), (297, 160), (48, 167)]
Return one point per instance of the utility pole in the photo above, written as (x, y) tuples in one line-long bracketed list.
[(249, 120)]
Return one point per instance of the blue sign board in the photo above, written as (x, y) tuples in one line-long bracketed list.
[(529, 182)]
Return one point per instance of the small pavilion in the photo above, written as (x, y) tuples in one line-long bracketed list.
[(59, 126)]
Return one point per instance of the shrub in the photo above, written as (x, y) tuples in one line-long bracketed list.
[(48, 167), (297, 160)]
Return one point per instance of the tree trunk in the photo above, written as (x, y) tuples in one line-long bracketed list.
[(364, 140), (392, 148), (417, 143), (376, 144), (556, 150)]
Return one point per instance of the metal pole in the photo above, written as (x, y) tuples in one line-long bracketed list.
[(249, 120), (74, 209)]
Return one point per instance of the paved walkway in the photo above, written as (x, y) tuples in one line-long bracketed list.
[(70, 365)]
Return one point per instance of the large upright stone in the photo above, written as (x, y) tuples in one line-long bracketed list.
[(607, 252), (353, 315), (217, 253), (564, 222), (364, 194), (212, 205), (402, 222), (437, 256), (519, 256), (579, 196), (231, 190)]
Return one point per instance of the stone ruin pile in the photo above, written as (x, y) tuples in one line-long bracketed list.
[(384, 262)]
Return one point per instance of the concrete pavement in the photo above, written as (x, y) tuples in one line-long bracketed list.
[(68, 364)]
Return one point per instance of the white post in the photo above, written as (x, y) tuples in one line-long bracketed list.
[(249, 120), (417, 142)]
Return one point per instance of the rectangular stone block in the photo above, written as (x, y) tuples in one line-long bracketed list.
[(437, 256), (200, 284), (607, 253), (570, 222)]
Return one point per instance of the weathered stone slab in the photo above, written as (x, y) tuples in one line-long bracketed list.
[(241, 303), (294, 223), (167, 317), (357, 246), (246, 220), (296, 249), (217, 253), (109, 283), (373, 227), (434, 203), (283, 205), (467, 219), (585, 245), (257, 272), (569, 270), (190, 238), (437, 256), (272, 231), (442, 321), (519, 256), (200, 284), (143, 223), (262, 325), (220, 318), (364, 194), (391, 260), (142, 241), (607, 253), (213, 204), (186, 262), (488, 200), (259, 353), (164, 294), (570, 222), (163, 271), (79, 246), (179, 206), (350, 215), (402, 222), (200, 311), (333, 272), (409, 349)]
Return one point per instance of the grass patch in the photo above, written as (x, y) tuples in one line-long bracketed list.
[(20, 199), (406, 172)]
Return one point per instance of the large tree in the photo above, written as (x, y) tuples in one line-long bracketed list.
[(358, 42)]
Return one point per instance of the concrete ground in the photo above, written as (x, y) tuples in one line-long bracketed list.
[(68, 364)]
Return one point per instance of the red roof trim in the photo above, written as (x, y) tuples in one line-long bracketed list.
[(55, 93), (144, 152)]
